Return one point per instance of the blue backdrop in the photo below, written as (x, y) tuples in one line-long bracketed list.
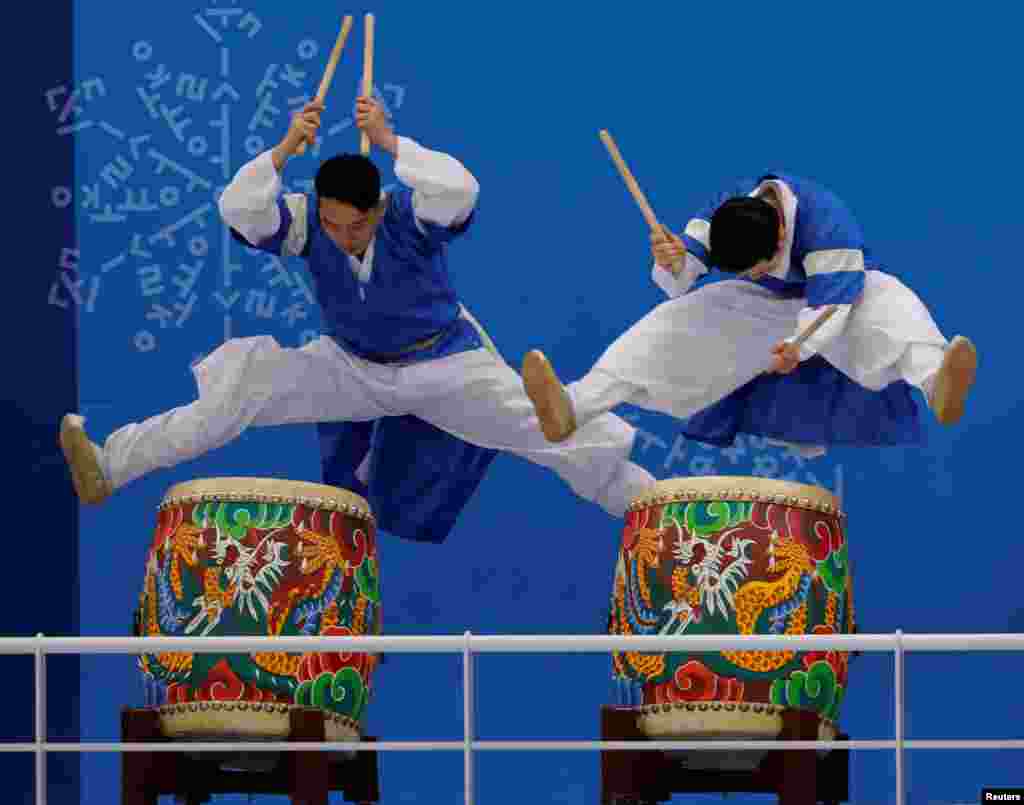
[(909, 118)]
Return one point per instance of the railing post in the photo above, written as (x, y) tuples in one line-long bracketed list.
[(467, 714), (898, 696), (40, 721)]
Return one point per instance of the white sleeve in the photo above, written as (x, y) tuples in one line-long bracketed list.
[(444, 192), (829, 330), (674, 286), (249, 205)]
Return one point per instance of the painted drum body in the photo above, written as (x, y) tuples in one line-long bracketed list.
[(731, 555), (259, 557)]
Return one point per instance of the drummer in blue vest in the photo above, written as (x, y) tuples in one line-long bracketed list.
[(754, 268), (412, 398)]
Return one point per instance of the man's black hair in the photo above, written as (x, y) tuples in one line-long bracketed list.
[(351, 179), (744, 231)]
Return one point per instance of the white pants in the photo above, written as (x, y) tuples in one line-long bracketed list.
[(692, 351), (474, 396)]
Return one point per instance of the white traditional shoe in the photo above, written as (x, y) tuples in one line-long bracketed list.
[(82, 457), (954, 380), (549, 397)]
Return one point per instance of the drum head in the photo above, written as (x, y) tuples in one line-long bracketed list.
[(739, 488), (267, 490)]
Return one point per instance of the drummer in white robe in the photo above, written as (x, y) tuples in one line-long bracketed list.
[(759, 263)]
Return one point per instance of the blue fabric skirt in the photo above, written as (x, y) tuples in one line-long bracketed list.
[(816, 404), (420, 477)]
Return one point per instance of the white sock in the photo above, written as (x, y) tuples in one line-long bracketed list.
[(101, 458), (920, 365), (928, 385)]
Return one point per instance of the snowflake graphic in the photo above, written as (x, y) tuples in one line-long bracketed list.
[(171, 137)]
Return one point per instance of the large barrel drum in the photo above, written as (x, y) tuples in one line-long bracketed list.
[(259, 557), (731, 555)]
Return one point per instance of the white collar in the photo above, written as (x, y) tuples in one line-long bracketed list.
[(789, 202), (364, 269)]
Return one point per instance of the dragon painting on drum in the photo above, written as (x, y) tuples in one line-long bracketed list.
[(222, 566), (733, 562)]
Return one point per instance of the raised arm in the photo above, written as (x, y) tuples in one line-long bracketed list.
[(444, 192), (252, 205)]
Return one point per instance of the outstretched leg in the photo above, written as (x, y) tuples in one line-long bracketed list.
[(683, 356), (246, 382), (891, 336), (480, 399)]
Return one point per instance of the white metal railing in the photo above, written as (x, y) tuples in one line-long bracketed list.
[(468, 645)]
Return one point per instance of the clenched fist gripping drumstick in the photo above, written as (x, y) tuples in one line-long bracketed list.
[(812, 328), (332, 64)]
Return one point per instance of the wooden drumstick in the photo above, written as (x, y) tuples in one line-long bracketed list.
[(364, 145), (634, 189), (332, 65), (813, 327)]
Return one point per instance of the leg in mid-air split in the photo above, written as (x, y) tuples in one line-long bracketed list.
[(247, 382), (680, 361)]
